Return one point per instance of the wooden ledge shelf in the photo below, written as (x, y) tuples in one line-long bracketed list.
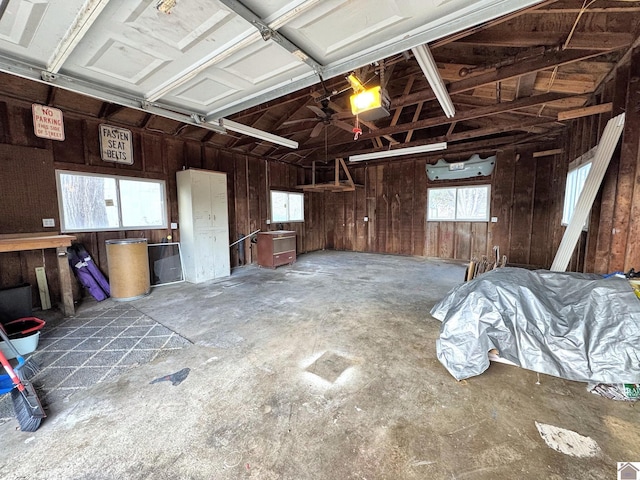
[(20, 241), (35, 241), (336, 186)]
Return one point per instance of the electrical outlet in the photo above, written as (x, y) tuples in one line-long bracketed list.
[(48, 222), (366, 219), (174, 226), (268, 222), (494, 219)]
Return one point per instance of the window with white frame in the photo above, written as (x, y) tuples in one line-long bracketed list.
[(90, 202), (461, 204), (287, 206), (575, 183)]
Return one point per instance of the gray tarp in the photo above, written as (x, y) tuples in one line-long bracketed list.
[(572, 326)]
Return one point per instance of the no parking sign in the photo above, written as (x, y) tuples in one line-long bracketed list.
[(47, 122)]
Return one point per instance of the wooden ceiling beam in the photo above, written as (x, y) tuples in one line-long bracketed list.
[(109, 109), (470, 114), (585, 111), (579, 40), (556, 11), (547, 153), (527, 66), (486, 25), (340, 150), (477, 146)]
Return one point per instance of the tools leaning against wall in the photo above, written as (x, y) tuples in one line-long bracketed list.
[(478, 267)]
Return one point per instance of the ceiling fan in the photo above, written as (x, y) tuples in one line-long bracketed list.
[(325, 116)]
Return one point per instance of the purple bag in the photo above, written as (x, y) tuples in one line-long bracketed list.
[(93, 268), (85, 275)]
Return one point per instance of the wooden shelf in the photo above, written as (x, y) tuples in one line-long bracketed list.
[(35, 241), (21, 242), (336, 186)]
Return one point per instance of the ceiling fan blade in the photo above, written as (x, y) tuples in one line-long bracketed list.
[(317, 110), (316, 130), (300, 120), (343, 125)]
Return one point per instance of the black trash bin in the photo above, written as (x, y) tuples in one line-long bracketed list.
[(15, 302)]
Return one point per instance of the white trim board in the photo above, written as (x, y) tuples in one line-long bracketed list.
[(603, 155)]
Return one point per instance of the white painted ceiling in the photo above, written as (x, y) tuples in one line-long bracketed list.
[(207, 59)]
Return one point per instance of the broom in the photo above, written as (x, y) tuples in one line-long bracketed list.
[(26, 404)]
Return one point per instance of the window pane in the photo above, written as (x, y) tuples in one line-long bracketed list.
[(472, 203), (442, 204), (279, 208), (296, 207), (142, 204), (88, 203)]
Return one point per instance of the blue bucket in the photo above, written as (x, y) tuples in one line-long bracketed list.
[(6, 384)]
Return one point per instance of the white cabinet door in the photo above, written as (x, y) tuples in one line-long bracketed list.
[(201, 198), (221, 253), (204, 224), (219, 211), (204, 255)]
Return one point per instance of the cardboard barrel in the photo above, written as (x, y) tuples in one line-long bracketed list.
[(128, 261)]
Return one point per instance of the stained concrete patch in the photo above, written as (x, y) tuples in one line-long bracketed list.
[(567, 441), (329, 366)]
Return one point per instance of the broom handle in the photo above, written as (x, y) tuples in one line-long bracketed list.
[(9, 369), (11, 346)]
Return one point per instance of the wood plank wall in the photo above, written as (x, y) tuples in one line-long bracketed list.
[(394, 198), (614, 229), (28, 188)]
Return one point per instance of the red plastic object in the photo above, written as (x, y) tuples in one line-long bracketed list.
[(23, 326)]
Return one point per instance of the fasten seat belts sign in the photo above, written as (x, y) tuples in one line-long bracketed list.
[(116, 145)]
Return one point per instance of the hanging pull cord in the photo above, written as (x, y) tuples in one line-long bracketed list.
[(357, 131)]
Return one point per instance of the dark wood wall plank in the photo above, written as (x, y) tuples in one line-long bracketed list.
[(502, 201), (419, 214), (522, 214), (28, 186), (540, 225), (631, 147)]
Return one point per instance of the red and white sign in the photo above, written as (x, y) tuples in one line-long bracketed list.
[(47, 122)]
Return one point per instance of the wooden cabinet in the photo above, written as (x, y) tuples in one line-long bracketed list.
[(276, 248), (204, 224)]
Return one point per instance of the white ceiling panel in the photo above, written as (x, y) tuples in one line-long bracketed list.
[(182, 30), (166, 45), (250, 71), (213, 58), (205, 91), (262, 62), (126, 63), (32, 29)]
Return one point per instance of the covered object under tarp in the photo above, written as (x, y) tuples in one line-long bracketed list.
[(575, 326)]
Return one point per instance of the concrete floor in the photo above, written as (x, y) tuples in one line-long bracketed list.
[(321, 370)]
